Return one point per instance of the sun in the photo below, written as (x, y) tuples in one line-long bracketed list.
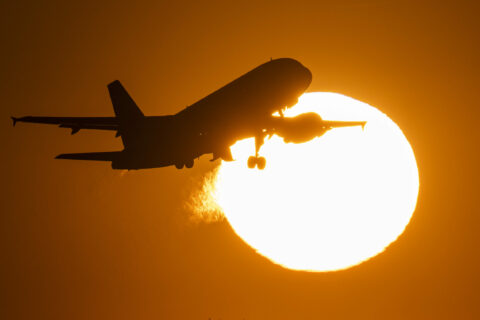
[(327, 204)]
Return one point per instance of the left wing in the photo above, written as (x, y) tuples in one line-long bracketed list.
[(74, 123)]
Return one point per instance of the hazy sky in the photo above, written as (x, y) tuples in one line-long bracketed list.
[(81, 241)]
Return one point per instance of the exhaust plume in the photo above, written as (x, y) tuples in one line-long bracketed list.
[(202, 201)]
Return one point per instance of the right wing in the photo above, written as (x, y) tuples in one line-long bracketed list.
[(74, 123), (338, 124)]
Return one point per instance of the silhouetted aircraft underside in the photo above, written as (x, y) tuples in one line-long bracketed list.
[(243, 108)]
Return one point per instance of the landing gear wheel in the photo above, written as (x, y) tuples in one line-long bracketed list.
[(189, 164), (179, 165), (258, 162), (261, 162), (252, 161)]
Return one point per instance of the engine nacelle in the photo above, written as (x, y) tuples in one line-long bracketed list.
[(301, 128)]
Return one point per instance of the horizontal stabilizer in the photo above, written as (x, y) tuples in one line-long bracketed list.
[(95, 156)]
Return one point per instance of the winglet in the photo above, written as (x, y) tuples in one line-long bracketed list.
[(363, 125), (14, 120)]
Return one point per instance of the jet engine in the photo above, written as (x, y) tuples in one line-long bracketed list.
[(301, 128)]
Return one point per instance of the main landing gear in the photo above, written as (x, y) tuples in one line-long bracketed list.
[(259, 162), (256, 161), (187, 164)]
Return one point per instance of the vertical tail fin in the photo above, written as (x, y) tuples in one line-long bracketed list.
[(123, 104), (126, 110)]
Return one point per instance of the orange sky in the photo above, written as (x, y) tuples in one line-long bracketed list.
[(81, 241)]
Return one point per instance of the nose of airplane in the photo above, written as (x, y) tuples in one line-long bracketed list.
[(307, 77)]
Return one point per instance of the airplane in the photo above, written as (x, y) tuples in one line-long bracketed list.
[(250, 106)]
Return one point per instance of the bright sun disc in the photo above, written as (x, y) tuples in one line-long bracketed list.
[(327, 204)]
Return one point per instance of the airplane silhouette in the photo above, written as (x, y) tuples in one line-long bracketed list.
[(241, 109)]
